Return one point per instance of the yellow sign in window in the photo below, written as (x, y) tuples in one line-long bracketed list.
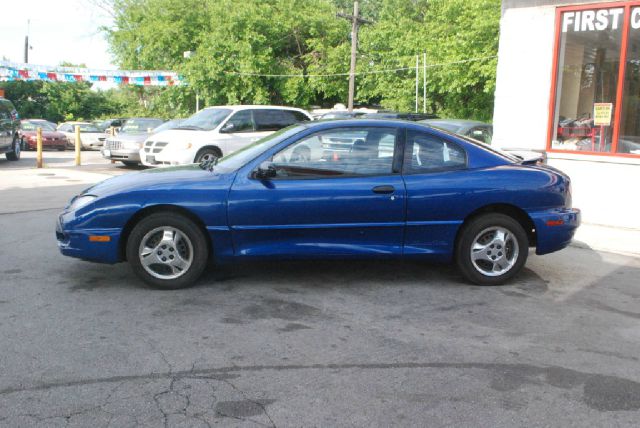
[(602, 114)]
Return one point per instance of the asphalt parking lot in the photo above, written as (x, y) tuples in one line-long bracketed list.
[(303, 344)]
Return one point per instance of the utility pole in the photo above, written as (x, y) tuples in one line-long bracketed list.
[(424, 83), (26, 44), (356, 21), (417, 79)]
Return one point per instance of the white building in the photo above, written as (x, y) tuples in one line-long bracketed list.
[(569, 83)]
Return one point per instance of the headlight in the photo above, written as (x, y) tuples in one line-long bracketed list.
[(81, 201), (179, 146)]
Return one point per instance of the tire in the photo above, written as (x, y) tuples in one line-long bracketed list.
[(62, 149), (130, 164), (206, 154), (14, 154), (484, 258), (187, 248)]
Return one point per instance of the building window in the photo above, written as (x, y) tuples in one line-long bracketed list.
[(596, 90)]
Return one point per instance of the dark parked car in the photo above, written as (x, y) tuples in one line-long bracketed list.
[(483, 132), (414, 117), (106, 124), (402, 190), (480, 131), (339, 114), (51, 139), (9, 130)]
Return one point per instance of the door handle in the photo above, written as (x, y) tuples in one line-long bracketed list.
[(384, 189)]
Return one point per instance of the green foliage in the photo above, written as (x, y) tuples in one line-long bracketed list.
[(58, 101), (236, 43)]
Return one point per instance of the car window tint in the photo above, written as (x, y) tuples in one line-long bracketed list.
[(242, 121), (273, 120), (299, 116), (338, 152), (428, 153)]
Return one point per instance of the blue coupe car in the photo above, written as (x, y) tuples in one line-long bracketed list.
[(340, 189)]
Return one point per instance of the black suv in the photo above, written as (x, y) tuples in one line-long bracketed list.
[(9, 127)]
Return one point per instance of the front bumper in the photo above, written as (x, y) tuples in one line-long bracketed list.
[(76, 243), (46, 144), (128, 155), (166, 157), (555, 228)]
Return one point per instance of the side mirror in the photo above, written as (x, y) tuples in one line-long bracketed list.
[(265, 171), (227, 128)]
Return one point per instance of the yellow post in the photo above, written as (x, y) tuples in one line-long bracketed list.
[(78, 146), (39, 148), (112, 132)]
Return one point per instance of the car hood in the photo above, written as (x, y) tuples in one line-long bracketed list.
[(130, 138), (169, 178)]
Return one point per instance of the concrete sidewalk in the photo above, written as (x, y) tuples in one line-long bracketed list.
[(610, 239)]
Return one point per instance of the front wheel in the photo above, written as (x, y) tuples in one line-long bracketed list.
[(492, 249), (167, 251), (206, 155), (14, 154)]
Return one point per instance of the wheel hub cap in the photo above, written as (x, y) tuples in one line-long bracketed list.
[(166, 253), (494, 251)]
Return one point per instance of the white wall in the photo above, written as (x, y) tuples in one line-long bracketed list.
[(605, 191), (605, 188), (523, 82)]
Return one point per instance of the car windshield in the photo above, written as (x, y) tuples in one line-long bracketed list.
[(32, 126), (240, 158), (168, 125), (138, 126), (205, 120), (85, 127)]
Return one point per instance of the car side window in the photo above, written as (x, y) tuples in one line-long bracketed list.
[(428, 153), (242, 121), (338, 152), (269, 120)]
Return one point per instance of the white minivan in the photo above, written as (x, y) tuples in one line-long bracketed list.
[(216, 132)]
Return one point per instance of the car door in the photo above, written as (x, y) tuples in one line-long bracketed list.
[(323, 202), (238, 131), (437, 182)]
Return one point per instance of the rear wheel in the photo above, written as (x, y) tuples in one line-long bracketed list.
[(14, 154), (492, 249), (167, 251)]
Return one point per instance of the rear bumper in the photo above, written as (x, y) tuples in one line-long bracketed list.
[(76, 243), (555, 228)]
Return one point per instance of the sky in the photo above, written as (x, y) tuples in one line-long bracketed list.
[(60, 30)]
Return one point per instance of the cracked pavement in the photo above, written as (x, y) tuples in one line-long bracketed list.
[(381, 343)]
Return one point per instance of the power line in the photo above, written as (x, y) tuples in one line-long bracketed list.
[(387, 70)]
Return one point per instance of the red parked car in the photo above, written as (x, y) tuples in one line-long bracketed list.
[(51, 139)]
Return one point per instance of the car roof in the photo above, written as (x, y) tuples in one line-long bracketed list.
[(455, 122), (256, 107)]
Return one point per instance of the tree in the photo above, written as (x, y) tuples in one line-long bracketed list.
[(239, 47)]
